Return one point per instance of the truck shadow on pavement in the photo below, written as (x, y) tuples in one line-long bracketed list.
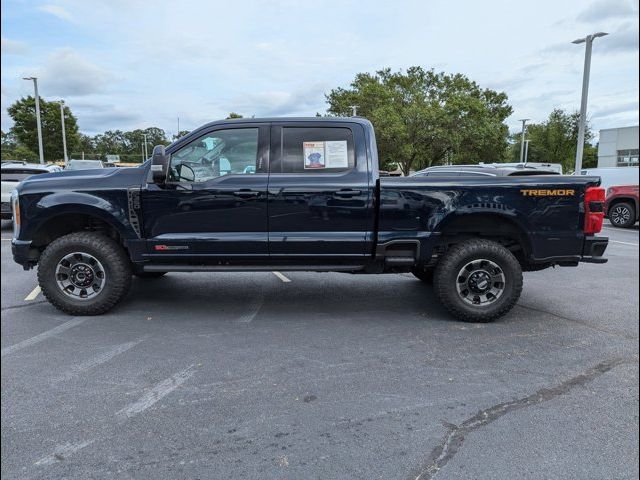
[(234, 296)]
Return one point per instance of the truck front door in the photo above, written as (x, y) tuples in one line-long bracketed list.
[(214, 203), (320, 199)]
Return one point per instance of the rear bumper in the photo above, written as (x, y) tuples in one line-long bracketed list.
[(593, 249)]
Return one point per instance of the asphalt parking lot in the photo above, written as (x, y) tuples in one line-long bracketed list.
[(307, 375)]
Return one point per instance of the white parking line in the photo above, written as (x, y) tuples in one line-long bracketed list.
[(41, 337), (33, 295), (252, 310), (282, 277), (624, 243), (61, 452), (157, 393), (99, 359)]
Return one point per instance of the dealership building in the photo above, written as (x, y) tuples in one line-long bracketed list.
[(618, 147)]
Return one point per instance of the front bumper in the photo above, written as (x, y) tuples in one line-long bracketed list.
[(23, 254)]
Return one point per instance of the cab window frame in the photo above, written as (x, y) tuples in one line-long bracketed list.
[(262, 152), (277, 149)]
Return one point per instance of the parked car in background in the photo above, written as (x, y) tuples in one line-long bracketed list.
[(12, 174), (621, 205), (84, 164), (556, 167), (481, 171), (612, 176)]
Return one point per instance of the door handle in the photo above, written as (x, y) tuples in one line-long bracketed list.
[(347, 193), (246, 193)]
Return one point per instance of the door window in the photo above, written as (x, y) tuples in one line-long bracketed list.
[(316, 150), (224, 152)]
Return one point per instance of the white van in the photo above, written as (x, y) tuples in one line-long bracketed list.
[(614, 175)]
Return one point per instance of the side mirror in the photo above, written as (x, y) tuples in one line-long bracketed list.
[(159, 164)]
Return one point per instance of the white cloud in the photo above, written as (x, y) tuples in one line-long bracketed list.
[(303, 101), (13, 47), (67, 73), (56, 11), (271, 58), (602, 10)]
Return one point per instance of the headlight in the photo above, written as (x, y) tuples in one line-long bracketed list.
[(15, 206)]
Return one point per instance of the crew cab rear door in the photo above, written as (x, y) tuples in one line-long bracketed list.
[(320, 196), (214, 203)]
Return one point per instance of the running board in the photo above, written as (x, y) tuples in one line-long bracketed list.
[(251, 268)]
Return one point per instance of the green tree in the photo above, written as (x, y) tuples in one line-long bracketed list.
[(181, 134), (25, 131), (233, 115), (424, 118), (9, 145), (555, 141)]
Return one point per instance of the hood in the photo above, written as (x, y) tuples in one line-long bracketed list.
[(83, 180)]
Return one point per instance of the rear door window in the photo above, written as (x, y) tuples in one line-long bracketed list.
[(313, 150)]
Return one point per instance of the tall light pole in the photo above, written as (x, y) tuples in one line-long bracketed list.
[(526, 151), (585, 93), (64, 134), (524, 121), (146, 154), (35, 88)]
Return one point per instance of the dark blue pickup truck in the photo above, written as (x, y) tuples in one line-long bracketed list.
[(298, 194)]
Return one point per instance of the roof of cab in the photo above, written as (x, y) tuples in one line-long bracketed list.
[(358, 120)]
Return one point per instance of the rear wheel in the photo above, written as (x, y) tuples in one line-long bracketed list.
[(622, 215), (478, 280), (84, 273)]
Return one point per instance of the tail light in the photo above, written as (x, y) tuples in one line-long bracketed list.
[(593, 210)]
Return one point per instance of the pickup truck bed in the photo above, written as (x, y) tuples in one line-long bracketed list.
[(299, 194)]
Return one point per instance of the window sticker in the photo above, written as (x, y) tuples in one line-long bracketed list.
[(336, 154), (314, 155)]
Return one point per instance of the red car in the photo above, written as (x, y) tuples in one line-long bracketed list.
[(621, 205)]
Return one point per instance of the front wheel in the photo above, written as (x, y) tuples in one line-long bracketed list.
[(478, 280), (622, 215), (84, 273)]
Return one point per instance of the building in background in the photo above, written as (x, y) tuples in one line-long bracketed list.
[(618, 147)]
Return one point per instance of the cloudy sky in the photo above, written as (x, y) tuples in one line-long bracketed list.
[(124, 64)]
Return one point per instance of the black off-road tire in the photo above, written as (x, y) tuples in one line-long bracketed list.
[(622, 214), (446, 278), (113, 258), (423, 273), (149, 275)]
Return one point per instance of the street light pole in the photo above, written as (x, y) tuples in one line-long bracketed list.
[(526, 151), (146, 152), (64, 134), (38, 123), (524, 121), (588, 40)]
